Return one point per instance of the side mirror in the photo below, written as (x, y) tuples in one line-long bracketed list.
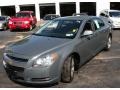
[(87, 32)]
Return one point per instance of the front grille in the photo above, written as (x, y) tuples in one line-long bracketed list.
[(14, 68), (15, 73), (17, 59), (17, 22)]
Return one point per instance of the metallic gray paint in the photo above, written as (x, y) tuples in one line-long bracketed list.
[(39, 46)]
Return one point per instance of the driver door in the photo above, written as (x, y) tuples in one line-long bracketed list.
[(87, 44)]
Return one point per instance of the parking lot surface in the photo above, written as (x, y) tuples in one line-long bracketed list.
[(102, 71)]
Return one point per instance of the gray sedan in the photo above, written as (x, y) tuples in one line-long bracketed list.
[(57, 50), (4, 22)]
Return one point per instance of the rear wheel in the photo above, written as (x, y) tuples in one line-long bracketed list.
[(35, 26), (109, 43), (68, 70), (31, 27), (5, 28)]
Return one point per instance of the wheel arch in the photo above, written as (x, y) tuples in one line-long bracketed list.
[(110, 35), (77, 59)]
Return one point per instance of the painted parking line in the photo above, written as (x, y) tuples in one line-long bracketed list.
[(2, 46), (20, 37), (110, 57)]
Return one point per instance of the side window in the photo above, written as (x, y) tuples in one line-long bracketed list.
[(87, 27), (101, 23), (98, 24)]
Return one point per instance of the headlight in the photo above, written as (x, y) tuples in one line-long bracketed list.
[(26, 22), (10, 22), (46, 61)]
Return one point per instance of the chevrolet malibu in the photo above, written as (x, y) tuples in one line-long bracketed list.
[(57, 50)]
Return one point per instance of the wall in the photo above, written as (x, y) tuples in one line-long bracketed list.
[(100, 4)]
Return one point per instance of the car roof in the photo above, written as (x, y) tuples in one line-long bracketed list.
[(51, 14), (114, 10), (82, 17), (110, 10)]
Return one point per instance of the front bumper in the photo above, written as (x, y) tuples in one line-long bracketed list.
[(116, 25), (22, 26), (32, 75)]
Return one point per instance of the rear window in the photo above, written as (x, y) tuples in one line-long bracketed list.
[(98, 24)]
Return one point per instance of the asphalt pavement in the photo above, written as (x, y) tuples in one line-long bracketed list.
[(102, 71)]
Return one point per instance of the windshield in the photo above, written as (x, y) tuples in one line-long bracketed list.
[(114, 14), (60, 29), (22, 15), (2, 18)]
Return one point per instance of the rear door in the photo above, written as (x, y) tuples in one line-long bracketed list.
[(100, 33)]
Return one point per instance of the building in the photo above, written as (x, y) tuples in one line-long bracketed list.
[(61, 7)]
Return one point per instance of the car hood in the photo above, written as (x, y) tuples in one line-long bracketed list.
[(20, 19), (35, 45), (115, 19)]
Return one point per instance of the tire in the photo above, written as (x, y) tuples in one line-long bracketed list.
[(11, 30), (68, 70), (108, 44), (31, 27), (5, 28)]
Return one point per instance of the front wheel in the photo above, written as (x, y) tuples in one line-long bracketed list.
[(109, 43), (68, 70)]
